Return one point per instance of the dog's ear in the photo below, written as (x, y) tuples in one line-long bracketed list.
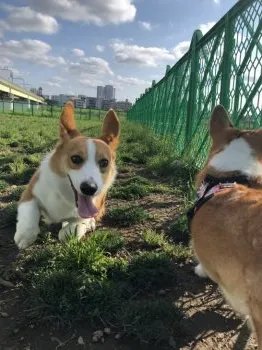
[(111, 129), (219, 121), (67, 121)]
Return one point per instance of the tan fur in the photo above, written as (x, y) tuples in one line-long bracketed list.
[(227, 231), (27, 194), (73, 142)]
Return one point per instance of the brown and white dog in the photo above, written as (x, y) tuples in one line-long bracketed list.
[(227, 229), (71, 183)]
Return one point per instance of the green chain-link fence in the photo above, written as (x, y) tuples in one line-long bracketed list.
[(224, 66), (50, 111)]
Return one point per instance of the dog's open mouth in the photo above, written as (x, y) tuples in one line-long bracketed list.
[(85, 206)]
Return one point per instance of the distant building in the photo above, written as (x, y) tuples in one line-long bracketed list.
[(109, 92), (34, 90), (91, 102), (80, 103), (62, 98), (46, 97), (107, 104), (103, 93), (40, 91), (122, 105)]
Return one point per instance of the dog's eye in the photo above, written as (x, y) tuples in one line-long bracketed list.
[(103, 163), (77, 159)]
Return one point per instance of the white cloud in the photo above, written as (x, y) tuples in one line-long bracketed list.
[(90, 66), (143, 56), (53, 84), (24, 19), (100, 48), (132, 80), (216, 1), (78, 52), (145, 25), (35, 51), (206, 27), (91, 82), (180, 49), (98, 12), (58, 79), (5, 62)]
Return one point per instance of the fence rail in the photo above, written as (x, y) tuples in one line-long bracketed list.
[(49, 111), (224, 66)]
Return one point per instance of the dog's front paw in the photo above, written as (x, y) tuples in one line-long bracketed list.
[(199, 270), (78, 228), (23, 239)]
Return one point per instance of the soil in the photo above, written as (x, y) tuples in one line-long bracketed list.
[(210, 324)]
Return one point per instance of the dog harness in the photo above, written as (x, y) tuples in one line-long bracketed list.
[(209, 187)]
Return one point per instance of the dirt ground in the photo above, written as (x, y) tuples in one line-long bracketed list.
[(210, 323)]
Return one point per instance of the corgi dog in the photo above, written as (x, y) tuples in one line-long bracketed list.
[(71, 184), (226, 226)]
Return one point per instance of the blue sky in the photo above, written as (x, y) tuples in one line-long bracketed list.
[(71, 46)]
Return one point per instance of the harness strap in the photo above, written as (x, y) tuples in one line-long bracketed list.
[(209, 187)]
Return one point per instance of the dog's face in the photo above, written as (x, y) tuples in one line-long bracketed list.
[(233, 149), (89, 163)]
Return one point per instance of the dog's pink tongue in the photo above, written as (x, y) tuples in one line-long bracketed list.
[(86, 208)]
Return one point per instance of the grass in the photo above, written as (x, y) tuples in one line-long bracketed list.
[(136, 188), (126, 216), (103, 279)]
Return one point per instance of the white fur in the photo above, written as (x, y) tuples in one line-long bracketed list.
[(89, 171), (54, 194), (238, 155), (77, 227), (27, 228), (199, 270)]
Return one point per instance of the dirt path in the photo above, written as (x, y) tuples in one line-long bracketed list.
[(210, 323)]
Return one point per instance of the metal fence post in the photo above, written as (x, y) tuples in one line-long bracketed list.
[(227, 63), (89, 113), (51, 111), (192, 86), (32, 109)]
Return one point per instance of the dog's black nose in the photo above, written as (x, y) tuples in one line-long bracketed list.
[(88, 188)]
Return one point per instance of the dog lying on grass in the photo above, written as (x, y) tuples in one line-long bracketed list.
[(71, 183), (226, 225)]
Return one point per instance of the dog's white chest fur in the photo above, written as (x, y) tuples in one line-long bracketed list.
[(54, 194), (237, 156)]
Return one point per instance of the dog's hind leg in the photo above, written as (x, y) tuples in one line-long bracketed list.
[(27, 227), (256, 317)]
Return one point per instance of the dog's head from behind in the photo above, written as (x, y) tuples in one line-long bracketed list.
[(89, 163), (233, 151)]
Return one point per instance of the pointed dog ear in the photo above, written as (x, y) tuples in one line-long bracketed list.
[(111, 129), (219, 121), (67, 121)]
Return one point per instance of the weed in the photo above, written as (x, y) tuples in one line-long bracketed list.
[(178, 230), (151, 270), (126, 216), (173, 248), (135, 188)]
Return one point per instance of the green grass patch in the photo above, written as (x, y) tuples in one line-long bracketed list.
[(136, 188), (126, 216), (179, 231), (89, 281), (171, 247)]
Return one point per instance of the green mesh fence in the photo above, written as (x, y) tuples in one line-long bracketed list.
[(224, 66)]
